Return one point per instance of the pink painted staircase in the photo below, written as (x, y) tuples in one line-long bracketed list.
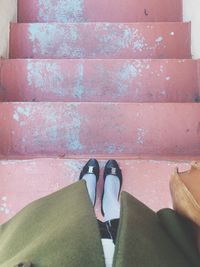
[(105, 79)]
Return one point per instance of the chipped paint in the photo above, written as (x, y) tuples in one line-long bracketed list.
[(159, 39), (70, 133), (140, 136), (161, 68), (112, 148), (73, 136), (61, 11), (125, 77), (117, 38), (46, 36), (4, 206), (25, 111), (79, 88), (46, 76), (138, 45), (21, 112), (16, 116)]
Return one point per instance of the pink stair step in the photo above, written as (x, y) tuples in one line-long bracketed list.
[(23, 181), (99, 80), (121, 129), (100, 40), (99, 11)]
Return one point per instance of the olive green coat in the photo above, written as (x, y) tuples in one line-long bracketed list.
[(61, 230)]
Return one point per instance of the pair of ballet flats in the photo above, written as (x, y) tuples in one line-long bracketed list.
[(111, 168)]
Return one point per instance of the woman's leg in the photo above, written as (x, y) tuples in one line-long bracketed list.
[(112, 188)]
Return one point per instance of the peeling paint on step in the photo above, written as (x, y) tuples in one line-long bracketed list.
[(140, 136), (79, 88), (46, 76), (64, 10), (159, 39)]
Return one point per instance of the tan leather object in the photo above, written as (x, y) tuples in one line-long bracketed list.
[(185, 192)]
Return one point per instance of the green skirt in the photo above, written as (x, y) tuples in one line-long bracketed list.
[(61, 230)]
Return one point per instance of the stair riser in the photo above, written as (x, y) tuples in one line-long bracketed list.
[(61, 129), (99, 11), (100, 40), (25, 181), (99, 80)]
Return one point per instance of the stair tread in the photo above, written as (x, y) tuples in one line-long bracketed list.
[(65, 129), (100, 40), (26, 180), (101, 80), (90, 10)]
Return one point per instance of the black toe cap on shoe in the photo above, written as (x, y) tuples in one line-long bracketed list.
[(112, 164)]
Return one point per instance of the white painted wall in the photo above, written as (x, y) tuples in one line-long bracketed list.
[(8, 13), (191, 12)]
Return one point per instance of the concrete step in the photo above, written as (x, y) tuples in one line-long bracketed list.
[(99, 80), (91, 129), (23, 181), (99, 11), (100, 40)]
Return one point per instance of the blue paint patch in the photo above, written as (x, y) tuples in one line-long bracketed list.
[(126, 75), (24, 111), (138, 45), (61, 11), (65, 135), (57, 40), (79, 88), (52, 133), (159, 39), (16, 116), (140, 136), (111, 149), (73, 136), (46, 77), (116, 38), (129, 71)]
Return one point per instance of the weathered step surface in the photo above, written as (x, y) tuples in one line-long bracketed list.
[(27, 180), (121, 129), (100, 40), (99, 11), (99, 80)]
